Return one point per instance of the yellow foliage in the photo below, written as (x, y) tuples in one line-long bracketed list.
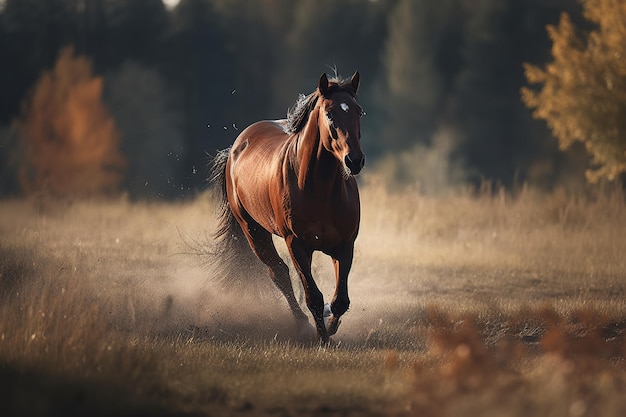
[(70, 140), (582, 94)]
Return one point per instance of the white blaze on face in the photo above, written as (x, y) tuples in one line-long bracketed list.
[(344, 107)]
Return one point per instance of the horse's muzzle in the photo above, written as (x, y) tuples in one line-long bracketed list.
[(355, 162)]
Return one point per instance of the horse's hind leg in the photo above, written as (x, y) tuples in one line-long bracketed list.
[(263, 246)]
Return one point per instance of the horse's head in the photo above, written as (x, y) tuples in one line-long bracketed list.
[(340, 115)]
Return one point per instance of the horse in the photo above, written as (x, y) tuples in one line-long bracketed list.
[(295, 178)]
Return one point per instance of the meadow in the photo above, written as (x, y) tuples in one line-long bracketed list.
[(467, 303)]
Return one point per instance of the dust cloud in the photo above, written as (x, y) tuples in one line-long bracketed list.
[(190, 302), (181, 295)]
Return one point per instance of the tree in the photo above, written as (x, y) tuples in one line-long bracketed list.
[(199, 72), (416, 80), (131, 29), (141, 103), (582, 93), (31, 34), (69, 140)]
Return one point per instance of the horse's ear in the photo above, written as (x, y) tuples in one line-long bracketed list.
[(354, 81), (323, 84)]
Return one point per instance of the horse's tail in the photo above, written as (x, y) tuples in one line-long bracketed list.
[(231, 256), (227, 226)]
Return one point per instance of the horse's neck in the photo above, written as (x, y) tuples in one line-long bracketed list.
[(318, 170)]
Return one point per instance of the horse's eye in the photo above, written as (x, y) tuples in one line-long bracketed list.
[(329, 116)]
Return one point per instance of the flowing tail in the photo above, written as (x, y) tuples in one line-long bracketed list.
[(234, 261)]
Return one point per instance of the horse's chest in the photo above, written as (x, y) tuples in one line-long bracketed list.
[(324, 225)]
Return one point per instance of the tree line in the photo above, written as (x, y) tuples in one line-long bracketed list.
[(441, 78)]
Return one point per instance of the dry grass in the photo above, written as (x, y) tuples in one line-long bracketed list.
[(461, 305)]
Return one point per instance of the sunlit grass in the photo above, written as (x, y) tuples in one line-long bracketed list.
[(461, 305)]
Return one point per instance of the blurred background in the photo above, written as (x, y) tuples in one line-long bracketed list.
[(108, 96)]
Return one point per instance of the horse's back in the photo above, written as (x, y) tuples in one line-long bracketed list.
[(255, 167), (259, 150), (263, 138)]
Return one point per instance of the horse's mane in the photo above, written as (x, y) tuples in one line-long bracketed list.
[(298, 114)]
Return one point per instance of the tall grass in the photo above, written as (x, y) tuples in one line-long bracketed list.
[(465, 304)]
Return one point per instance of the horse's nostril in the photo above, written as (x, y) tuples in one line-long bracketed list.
[(355, 164)]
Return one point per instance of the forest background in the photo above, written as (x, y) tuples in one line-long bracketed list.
[(440, 84)]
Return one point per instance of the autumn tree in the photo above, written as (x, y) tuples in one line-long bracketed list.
[(69, 140), (581, 94)]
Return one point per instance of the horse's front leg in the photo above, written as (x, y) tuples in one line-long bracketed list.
[(342, 260), (302, 256)]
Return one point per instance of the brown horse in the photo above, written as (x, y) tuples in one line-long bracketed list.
[(294, 178)]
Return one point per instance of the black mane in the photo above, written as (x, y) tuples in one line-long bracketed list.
[(298, 114)]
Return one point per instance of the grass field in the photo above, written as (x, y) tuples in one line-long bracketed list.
[(462, 305)]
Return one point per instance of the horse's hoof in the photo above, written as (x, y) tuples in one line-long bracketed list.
[(333, 325), (327, 315)]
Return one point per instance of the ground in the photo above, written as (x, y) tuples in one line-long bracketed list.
[(462, 304)]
